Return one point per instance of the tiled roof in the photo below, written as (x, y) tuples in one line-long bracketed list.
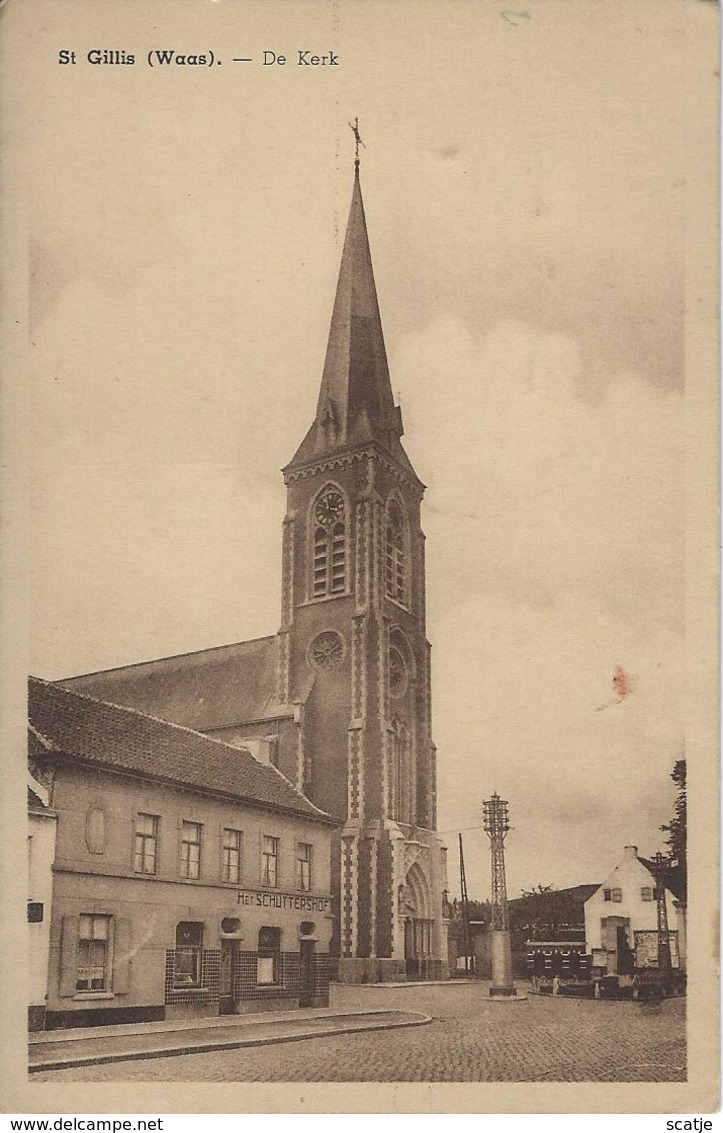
[(123, 739), (214, 688)]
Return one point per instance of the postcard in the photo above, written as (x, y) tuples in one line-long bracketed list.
[(360, 441)]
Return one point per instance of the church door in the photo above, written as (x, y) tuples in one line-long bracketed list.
[(410, 953)]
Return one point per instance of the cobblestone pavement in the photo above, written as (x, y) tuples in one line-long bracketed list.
[(471, 1040)]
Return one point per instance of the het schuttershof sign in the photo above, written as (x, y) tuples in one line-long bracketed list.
[(264, 899)]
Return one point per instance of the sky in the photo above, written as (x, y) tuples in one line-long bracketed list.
[(523, 178)]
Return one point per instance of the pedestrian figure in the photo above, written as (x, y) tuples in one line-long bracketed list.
[(555, 985)]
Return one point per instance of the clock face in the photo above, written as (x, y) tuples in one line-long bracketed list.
[(329, 509)]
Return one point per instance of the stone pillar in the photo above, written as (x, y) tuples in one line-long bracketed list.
[(501, 954)]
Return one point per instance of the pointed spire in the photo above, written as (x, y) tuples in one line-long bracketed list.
[(356, 404)]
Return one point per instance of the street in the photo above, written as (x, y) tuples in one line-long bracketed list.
[(471, 1039)]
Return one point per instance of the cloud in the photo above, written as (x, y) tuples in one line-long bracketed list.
[(534, 490), (554, 555)]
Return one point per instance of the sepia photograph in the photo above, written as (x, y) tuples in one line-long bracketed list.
[(360, 491)]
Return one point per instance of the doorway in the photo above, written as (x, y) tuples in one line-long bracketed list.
[(229, 950), (414, 905), (306, 975)]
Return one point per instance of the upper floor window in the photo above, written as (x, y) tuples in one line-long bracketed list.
[(191, 850), (145, 850), (231, 856), (303, 866), (648, 893), (270, 861), (395, 566), (329, 565), (93, 953)]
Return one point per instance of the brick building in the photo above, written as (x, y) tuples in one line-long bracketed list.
[(339, 698), (190, 878)]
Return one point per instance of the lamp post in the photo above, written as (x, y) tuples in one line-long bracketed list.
[(496, 824)]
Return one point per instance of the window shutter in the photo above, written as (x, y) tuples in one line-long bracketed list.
[(69, 956), (121, 954)]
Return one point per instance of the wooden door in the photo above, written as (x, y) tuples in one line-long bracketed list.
[(306, 977), (228, 970)]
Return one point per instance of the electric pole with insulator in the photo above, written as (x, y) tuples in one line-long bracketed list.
[(496, 824), (664, 960)]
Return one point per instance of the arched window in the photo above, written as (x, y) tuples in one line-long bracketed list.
[(400, 787), (395, 565), (329, 563)]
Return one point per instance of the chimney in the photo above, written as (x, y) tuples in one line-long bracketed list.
[(631, 853)]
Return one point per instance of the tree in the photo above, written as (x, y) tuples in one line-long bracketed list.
[(677, 828), (537, 889)]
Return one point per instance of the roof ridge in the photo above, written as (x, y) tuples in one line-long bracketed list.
[(156, 660), (143, 715)]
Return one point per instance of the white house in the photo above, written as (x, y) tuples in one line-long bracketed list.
[(42, 823), (621, 918)]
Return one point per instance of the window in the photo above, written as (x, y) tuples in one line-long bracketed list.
[(191, 850), (617, 895), (231, 856), (187, 966), (394, 560), (607, 894), (267, 964), (329, 563), (145, 851), (647, 893), (303, 866), (269, 861), (93, 953)]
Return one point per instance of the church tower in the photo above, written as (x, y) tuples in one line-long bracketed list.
[(353, 656)]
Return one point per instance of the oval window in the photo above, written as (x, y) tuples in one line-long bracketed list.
[(95, 830)]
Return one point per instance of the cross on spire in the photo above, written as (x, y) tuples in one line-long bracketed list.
[(357, 140)]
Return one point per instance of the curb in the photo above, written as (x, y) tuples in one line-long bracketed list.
[(226, 1044)]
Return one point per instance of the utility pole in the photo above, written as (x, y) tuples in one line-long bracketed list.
[(664, 959), (466, 936), (496, 824)]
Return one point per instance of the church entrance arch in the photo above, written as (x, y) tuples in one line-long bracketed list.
[(416, 908)]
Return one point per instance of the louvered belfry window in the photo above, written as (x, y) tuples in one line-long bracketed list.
[(395, 565), (329, 563)]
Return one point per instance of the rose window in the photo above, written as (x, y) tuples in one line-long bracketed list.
[(326, 650)]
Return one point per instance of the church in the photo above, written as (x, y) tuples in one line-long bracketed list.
[(338, 700)]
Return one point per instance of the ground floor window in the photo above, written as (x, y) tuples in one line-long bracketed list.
[(269, 956), (93, 953), (187, 966)]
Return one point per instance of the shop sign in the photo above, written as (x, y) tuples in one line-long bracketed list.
[(263, 899)]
